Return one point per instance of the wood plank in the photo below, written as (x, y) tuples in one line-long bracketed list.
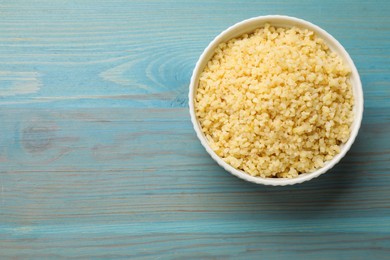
[(197, 245)]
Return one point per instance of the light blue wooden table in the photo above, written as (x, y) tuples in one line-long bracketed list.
[(98, 158)]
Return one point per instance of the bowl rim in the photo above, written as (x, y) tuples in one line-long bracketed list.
[(289, 22)]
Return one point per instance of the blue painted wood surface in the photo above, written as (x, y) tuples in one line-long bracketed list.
[(98, 158)]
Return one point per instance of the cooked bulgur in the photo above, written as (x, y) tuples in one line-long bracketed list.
[(276, 102)]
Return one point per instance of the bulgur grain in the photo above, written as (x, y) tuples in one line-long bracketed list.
[(276, 102)]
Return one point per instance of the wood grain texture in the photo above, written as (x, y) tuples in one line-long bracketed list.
[(98, 158)]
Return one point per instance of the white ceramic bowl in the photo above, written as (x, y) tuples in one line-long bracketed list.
[(248, 26)]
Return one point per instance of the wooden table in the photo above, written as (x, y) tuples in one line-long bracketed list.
[(98, 158)]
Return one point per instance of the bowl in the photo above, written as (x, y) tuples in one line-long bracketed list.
[(248, 26)]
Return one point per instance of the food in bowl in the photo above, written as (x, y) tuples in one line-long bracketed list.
[(276, 102)]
